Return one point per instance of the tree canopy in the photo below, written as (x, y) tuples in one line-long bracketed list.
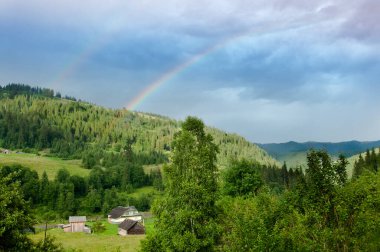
[(186, 213)]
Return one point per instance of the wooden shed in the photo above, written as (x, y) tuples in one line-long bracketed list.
[(131, 227), (77, 224)]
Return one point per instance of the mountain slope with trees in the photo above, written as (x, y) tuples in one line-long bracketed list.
[(38, 119), (294, 153)]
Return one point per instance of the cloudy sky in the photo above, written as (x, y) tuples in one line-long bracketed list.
[(270, 70)]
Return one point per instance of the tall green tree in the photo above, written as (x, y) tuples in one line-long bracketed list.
[(15, 217), (186, 213), (242, 178)]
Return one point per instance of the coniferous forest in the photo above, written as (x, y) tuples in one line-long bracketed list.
[(213, 191)]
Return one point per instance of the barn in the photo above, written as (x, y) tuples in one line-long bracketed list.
[(119, 214), (131, 227)]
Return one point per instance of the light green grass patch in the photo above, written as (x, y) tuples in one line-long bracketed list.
[(93, 242), (149, 225), (149, 168), (143, 190), (40, 164)]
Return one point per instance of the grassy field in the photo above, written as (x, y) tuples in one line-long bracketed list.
[(93, 242), (351, 160), (40, 164), (143, 190), (299, 159), (295, 159), (149, 168), (106, 241)]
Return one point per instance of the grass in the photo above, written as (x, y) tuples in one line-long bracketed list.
[(295, 159), (351, 162), (149, 225), (143, 190), (109, 240), (93, 242), (149, 168), (41, 163)]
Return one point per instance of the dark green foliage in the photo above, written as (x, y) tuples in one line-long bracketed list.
[(156, 178), (242, 178), (323, 212), (49, 245), (248, 223), (15, 217), (27, 178), (34, 119), (98, 227), (370, 163), (186, 213)]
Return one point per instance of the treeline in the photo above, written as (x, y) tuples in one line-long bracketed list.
[(35, 119), (12, 90), (274, 178), (322, 210), (370, 163), (17, 220), (104, 188)]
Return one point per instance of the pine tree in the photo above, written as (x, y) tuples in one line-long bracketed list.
[(285, 175), (340, 170), (44, 187)]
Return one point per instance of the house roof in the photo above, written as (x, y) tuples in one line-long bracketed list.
[(119, 211), (127, 224), (77, 219)]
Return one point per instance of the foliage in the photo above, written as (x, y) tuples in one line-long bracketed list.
[(15, 217), (323, 212), (31, 118), (242, 178), (49, 245), (98, 227), (370, 163), (186, 213)]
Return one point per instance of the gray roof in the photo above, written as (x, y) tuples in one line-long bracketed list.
[(127, 224), (77, 219), (119, 211)]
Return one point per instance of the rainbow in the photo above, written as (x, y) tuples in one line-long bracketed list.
[(171, 73), (79, 61), (176, 70)]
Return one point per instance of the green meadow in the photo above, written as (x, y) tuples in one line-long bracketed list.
[(42, 163), (108, 240)]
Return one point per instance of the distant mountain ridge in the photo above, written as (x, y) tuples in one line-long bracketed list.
[(294, 153)]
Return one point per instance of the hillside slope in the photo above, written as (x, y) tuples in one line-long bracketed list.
[(351, 160), (38, 119), (295, 153)]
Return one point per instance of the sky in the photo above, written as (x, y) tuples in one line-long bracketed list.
[(269, 70)]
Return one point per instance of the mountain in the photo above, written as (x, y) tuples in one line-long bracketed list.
[(295, 153), (39, 119)]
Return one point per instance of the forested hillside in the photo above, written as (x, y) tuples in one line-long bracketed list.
[(295, 153), (368, 161), (34, 119)]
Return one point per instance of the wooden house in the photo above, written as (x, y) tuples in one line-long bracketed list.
[(131, 227), (120, 214), (77, 224)]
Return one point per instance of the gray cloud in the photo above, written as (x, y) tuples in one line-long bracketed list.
[(280, 70)]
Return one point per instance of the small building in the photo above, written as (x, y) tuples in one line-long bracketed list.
[(77, 224), (131, 227), (6, 151), (120, 214), (66, 228)]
